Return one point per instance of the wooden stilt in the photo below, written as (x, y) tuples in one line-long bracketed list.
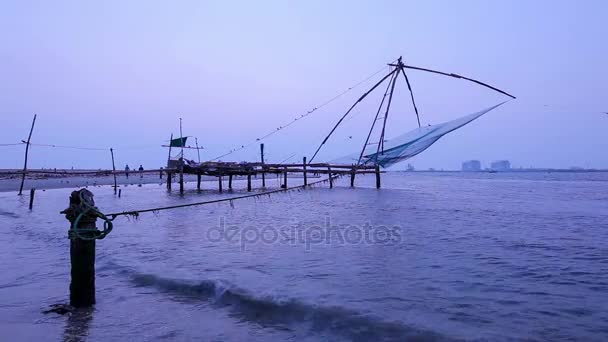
[(285, 179), (305, 175), (27, 149), (169, 176), (331, 179), (114, 169), (377, 176), (352, 178), (32, 192), (181, 181), (119, 192), (181, 159), (220, 182), (249, 182), (198, 181), (230, 181), (263, 173)]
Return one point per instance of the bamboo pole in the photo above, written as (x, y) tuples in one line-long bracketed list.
[(181, 159), (349, 110), (305, 175), (114, 170), (32, 192), (262, 158), (284, 178), (198, 152), (27, 148)]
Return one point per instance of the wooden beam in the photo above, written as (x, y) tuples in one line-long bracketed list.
[(27, 148)]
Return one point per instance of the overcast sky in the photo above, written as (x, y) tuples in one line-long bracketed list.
[(121, 73)]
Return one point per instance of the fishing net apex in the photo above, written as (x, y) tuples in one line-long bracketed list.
[(410, 144)]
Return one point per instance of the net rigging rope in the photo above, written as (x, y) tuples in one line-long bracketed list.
[(314, 109), (136, 213)]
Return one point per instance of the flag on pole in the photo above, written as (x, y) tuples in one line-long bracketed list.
[(179, 142)]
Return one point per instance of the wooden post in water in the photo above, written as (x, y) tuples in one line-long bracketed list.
[(377, 176), (181, 159), (285, 178), (82, 251), (114, 170), (331, 180), (119, 192), (169, 176), (305, 175), (262, 158), (220, 182), (352, 178), (181, 176), (160, 173), (32, 192), (249, 182), (230, 181), (27, 149), (198, 181)]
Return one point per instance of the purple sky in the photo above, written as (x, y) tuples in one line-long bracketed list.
[(121, 73)]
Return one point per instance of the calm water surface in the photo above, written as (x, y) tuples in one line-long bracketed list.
[(437, 256)]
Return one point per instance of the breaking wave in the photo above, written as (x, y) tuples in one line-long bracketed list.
[(270, 311)]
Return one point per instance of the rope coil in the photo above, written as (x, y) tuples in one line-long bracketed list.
[(88, 234)]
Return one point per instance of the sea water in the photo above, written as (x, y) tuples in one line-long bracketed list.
[(430, 256)]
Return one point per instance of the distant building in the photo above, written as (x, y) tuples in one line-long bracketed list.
[(471, 165), (500, 165), (410, 167)]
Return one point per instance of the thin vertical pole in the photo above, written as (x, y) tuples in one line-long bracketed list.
[(198, 181), (169, 158), (220, 182), (198, 152), (285, 178), (114, 170), (27, 148), (305, 175), (262, 158), (32, 192), (181, 164), (331, 181), (352, 177), (377, 176), (249, 182)]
